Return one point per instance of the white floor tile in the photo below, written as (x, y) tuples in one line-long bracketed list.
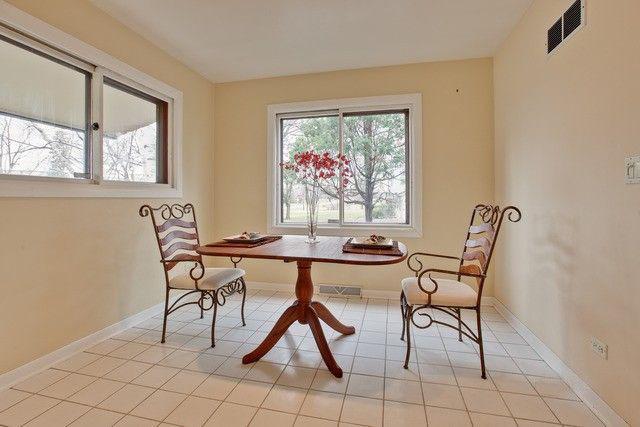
[(231, 415), (96, 392), (10, 397), (285, 399), (216, 387), (362, 410), (193, 411), (97, 418), (250, 393), (41, 380), (158, 405), (321, 404), (529, 407), (268, 418), (366, 386), (486, 401), (442, 417), (404, 414), (573, 413), (26, 410), (441, 395), (135, 380)]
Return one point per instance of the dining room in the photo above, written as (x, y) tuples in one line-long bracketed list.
[(294, 213)]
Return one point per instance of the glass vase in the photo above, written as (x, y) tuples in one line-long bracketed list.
[(311, 197)]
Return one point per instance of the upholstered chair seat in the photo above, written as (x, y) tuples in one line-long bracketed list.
[(450, 293), (213, 278)]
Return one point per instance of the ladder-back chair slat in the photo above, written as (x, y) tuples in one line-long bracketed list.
[(175, 247), (481, 228), (177, 234), (175, 222), (475, 256)]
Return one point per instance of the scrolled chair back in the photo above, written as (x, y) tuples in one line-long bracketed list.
[(482, 235), (176, 232)]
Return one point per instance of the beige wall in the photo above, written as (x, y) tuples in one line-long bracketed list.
[(457, 154), (564, 124), (71, 267)]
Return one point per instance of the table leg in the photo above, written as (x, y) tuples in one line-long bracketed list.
[(289, 316), (325, 315), (308, 312)]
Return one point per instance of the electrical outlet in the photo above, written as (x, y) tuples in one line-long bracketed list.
[(632, 170), (599, 347)]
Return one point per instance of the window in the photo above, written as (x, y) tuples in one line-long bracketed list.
[(69, 119), (134, 135), (380, 137), (43, 125)]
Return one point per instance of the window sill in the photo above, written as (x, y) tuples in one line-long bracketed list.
[(349, 230), (57, 187)]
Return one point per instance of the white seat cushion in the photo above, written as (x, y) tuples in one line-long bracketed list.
[(450, 293), (213, 278)]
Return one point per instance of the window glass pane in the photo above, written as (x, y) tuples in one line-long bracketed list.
[(303, 134), (376, 144), (43, 106), (133, 135)]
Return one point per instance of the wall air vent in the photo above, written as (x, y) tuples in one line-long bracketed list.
[(554, 35), (566, 25), (572, 19)]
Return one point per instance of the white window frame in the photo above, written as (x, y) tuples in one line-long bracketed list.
[(412, 102), (30, 31)]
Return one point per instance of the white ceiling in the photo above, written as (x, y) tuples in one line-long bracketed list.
[(228, 40)]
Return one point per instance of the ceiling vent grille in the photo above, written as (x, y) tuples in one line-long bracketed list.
[(566, 25)]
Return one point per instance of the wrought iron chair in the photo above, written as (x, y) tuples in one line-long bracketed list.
[(423, 293), (176, 232)]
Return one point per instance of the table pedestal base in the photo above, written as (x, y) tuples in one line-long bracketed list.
[(307, 312)]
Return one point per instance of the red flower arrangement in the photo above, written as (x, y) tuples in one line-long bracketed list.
[(313, 167), (312, 170)]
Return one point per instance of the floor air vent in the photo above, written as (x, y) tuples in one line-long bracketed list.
[(566, 25), (339, 290)]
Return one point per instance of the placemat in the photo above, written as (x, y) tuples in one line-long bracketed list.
[(394, 251), (223, 244)]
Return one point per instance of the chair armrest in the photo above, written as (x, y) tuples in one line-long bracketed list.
[(427, 254), (438, 270), (187, 258)]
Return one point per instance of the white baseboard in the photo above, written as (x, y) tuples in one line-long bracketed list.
[(580, 388), (23, 372)]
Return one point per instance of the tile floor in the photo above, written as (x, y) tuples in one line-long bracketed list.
[(133, 380)]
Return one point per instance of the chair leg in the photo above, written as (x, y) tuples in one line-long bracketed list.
[(480, 344), (202, 307), (164, 320), (244, 297), (404, 325), (459, 312), (409, 311), (213, 322)]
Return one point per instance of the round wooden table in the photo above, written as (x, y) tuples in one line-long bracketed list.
[(304, 309)]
